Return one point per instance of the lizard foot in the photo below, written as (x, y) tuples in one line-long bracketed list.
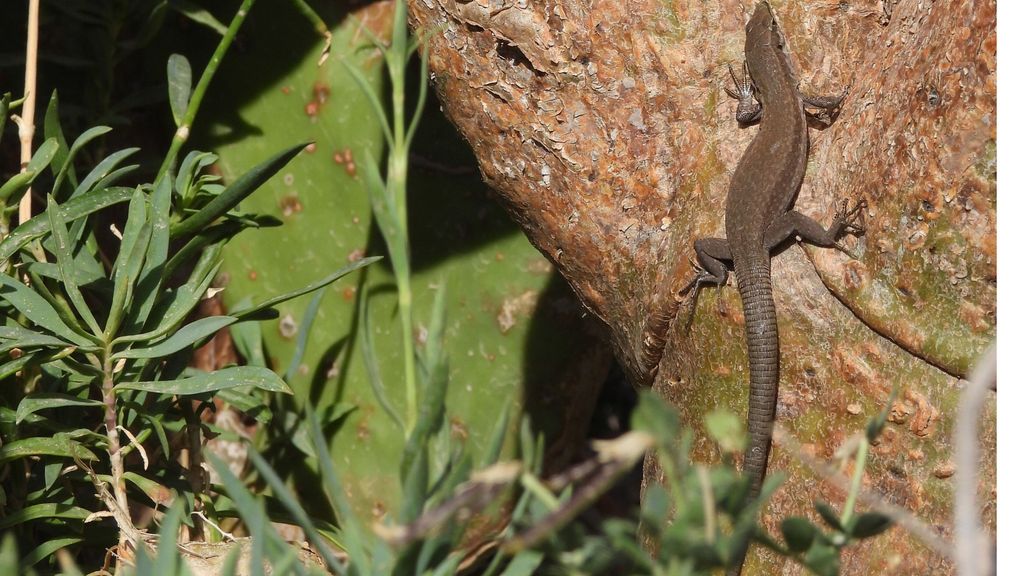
[(748, 109), (847, 220)]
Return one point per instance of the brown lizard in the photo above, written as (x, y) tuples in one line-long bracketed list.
[(758, 218)]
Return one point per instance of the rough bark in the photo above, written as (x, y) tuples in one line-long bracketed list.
[(604, 129)]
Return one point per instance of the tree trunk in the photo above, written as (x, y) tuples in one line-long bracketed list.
[(604, 129)]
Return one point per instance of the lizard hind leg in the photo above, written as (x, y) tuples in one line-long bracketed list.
[(712, 254), (846, 220)]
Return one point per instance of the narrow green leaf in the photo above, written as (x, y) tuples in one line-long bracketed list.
[(249, 341), (18, 337), (343, 513), (70, 211), (152, 274), (869, 524), (234, 194), (48, 548), (35, 402), (371, 96), (80, 142), (292, 505), (226, 378), (829, 515), (212, 236), (524, 563), (52, 129), (726, 429), (130, 259), (66, 265), (199, 15), (12, 367), (167, 556), (822, 559), (43, 155), (179, 86), (186, 336), (181, 301), (370, 361), (102, 171), (308, 319), (799, 533), (19, 183), (37, 309), (250, 405), (248, 312), (16, 186), (47, 510), (58, 445), (9, 547), (497, 440)]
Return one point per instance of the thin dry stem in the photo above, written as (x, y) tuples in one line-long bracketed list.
[(27, 126), (973, 548)]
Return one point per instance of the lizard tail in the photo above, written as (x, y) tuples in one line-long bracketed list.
[(763, 353)]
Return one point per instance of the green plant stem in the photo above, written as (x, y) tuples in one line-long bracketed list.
[(114, 443), (182, 133), (855, 482), (398, 169)]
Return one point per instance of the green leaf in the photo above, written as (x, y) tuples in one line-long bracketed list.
[(292, 505), (37, 310), (343, 512), (9, 547), (249, 342), (199, 15), (35, 402), (497, 439), (181, 301), (58, 445), (655, 416), (726, 429), (19, 183), (235, 193), (52, 129), (869, 524), (66, 265), (47, 549), (799, 533), (186, 336), (179, 86), (70, 211), (47, 510), (102, 171), (167, 556), (247, 403), (829, 515), (369, 349), (250, 311), (80, 142), (822, 559), (130, 259), (18, 337), (219, 380), (524, 563), (877, 423), (152, 274), (302, 336)]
